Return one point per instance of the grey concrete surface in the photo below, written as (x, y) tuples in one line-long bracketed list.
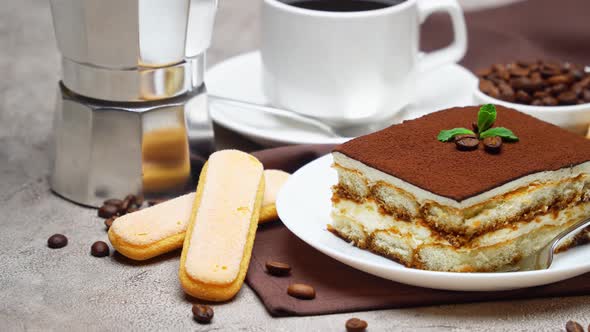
[(67, 289)]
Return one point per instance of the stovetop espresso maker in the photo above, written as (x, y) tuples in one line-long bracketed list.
[(131, 104)]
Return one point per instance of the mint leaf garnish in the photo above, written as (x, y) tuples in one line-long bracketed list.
[(505, 133), (447, 135), (486, 117)]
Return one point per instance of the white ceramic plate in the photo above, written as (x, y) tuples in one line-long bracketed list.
[(304, 207), (240, 78)]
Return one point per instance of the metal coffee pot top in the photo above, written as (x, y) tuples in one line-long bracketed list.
[(126, 34), (132, 104)]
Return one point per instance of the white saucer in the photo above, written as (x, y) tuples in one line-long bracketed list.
[(240, 78), (304, 207)]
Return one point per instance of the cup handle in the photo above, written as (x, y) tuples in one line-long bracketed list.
[(457, 49)]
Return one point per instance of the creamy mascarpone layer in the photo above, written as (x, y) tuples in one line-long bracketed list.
[(367, 214), (421, 195)]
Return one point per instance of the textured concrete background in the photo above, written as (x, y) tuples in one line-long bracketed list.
[(67, 289)]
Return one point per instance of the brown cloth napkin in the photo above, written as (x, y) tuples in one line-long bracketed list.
[(532, 29), (339, 287)]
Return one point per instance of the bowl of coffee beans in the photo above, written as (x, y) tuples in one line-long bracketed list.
[(555, 92)]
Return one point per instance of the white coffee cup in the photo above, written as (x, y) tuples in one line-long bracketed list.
[(350, 67)]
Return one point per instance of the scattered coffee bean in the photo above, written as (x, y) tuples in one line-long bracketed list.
[(538, 83), (548, 69), (492, 144), (567, 98), (132, 209), (572, 326), (203, 313), (549, 101), (57, 241), (489, 88), (506, 92), (156, 201), (109, 222), (107, 211), (467, 144), (301, 291), (541, 94), (127, 203), (519, 71), (523, 97), (558, 88), (560, 79), (277, 268), (113, 201), (99, 249), (356, 325), (139, 200), (131, 198), (483, 72)]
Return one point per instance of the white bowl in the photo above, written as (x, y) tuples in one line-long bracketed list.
[(575, 118)]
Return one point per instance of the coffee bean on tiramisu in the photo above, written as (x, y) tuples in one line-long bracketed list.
[(572, 326), (107, 211), (203, 313), (277, 268), (99, 249), (301, 291), (57, 241), (474, 127), (460, 137), (113, 201), (467, 144), (109, 222), (492, 144), (356, 325)]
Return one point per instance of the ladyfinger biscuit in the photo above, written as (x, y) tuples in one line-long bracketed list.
[(220, 234), (152, 231), (273, 181)]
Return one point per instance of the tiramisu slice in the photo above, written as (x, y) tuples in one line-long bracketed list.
[(406, 195)]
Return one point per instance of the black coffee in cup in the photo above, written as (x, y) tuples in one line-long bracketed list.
[(343, 5)]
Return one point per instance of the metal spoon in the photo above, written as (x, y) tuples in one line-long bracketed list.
[(542, 259), (331, 131), (324, 128)]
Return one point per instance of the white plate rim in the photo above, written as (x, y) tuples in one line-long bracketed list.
[(448, 280)]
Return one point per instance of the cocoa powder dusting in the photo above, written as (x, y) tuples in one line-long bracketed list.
[(411, 152)]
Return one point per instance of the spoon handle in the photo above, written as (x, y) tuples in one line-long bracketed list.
[(543, 258), (573, 229), (243, 105)]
